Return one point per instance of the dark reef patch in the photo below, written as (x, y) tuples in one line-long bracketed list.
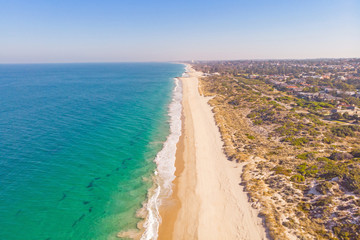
[(78, 220), (63, 197), (90, 184)]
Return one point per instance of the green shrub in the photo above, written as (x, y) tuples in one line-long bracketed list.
[(336, 116), (311, 171), (251, 115), (251, 137), (313, 132), (298, 178), (306, 156), (323, 187), (344, 131), (281, 170), (285, 99), (304, 207), (308, 171), (299, 141), (347, 231), (331, 169), (315, 119), (322, 159), (328, 140), (324, 201), (340, 156), (275, 104), (356, 153), (302, 156), (301, 168)]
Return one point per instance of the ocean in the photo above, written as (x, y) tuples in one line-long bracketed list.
[(82, 144)]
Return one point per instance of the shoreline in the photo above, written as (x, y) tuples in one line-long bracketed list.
[(164, 173), (170, 207), (207, 201)]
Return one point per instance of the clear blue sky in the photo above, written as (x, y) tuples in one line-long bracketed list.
[(170, 30)]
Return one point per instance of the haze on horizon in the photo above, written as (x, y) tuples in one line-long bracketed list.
[(159, 30)]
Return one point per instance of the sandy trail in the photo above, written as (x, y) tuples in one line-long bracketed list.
[(207, 202)]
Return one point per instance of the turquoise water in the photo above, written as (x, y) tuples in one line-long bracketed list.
[(77, 144)]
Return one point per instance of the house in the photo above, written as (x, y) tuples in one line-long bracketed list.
[(316, 77), (253, 76), (341, 78), (349, 93), (328, 90), (357, 95), (306, 95), (306, 84), (326, 97), (352, 107), (326, 76), (342, 105), (293, 89), (296, 81)]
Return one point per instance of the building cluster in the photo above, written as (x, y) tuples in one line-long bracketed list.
[(323, 83), (336, 81)]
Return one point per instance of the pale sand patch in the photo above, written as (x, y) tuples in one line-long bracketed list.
[(207, 202)]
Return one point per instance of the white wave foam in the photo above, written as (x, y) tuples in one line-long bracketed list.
[(165, 173)]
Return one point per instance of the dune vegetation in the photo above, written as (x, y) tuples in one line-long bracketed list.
[(303, 167)]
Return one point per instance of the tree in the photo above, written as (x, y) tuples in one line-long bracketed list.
[(341, 156), (346, 116), (336, 116)]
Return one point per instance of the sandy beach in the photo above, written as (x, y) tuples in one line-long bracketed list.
[(208, 201)]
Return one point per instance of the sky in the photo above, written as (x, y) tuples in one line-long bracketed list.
[(171, 30)]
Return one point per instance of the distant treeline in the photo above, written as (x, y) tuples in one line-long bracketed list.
[(279, 67)]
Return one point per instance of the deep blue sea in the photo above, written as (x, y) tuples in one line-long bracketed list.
[(77, 146)]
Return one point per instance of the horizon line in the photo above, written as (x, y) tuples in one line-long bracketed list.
[(180, 61)]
